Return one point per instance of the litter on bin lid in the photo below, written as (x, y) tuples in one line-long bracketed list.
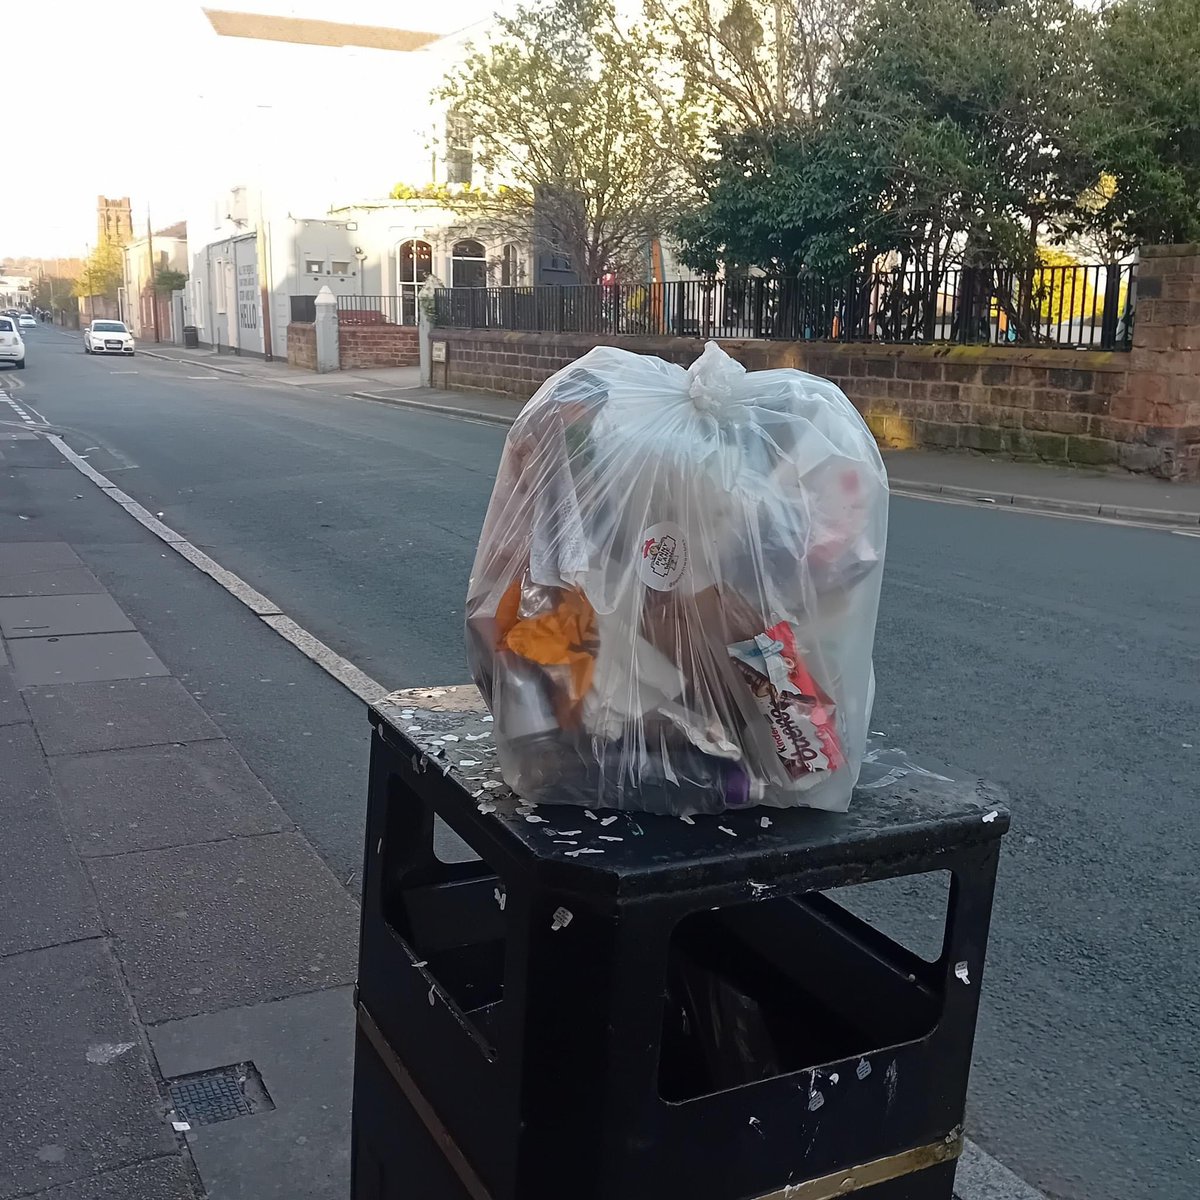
[(960, 972), (561, 918), (990, 817)]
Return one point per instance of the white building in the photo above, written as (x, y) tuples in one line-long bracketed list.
[(169, 253), (16, 291), (318, 116), (313, 125)]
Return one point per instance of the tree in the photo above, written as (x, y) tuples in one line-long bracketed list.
[(573, 119), (1146, 127), (103, 271), (783, 199), (168, 280), (755, 63), (52, 291), (949, 135)]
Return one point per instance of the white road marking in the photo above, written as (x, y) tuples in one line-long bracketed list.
[(345, 672)]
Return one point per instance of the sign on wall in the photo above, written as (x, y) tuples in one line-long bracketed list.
[(247, 295)]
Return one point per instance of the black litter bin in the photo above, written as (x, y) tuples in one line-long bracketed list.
[(627, 1007), (191, 337)]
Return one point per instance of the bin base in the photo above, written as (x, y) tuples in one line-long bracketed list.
[(393, 1156)]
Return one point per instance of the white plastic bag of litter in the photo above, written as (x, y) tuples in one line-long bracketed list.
[(673, 603)]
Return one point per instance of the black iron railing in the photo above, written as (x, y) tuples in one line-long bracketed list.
[(1073, 306), (378, 310)]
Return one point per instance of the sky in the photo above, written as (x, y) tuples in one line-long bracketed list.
[(141, 98)]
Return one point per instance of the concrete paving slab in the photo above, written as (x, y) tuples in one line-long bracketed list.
[(44, 894), (78, 1096), (20, 558), (227, 923), (12, 707), (61, 616), (84, 659), (62, 581), (74, 718), (150, 797), (167, 1178), (303, 1048)]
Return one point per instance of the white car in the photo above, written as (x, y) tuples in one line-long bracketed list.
[(27, 321), (107, 337), (12, 348)]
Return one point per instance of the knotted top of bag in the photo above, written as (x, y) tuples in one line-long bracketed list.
[(714, 379)]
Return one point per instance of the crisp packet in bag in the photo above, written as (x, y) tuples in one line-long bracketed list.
[(673, 603)]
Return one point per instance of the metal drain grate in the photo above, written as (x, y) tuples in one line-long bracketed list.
[(220, 1095)]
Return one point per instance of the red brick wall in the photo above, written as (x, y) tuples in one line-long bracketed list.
[(372, 345), (1139, 410), (302, 345)]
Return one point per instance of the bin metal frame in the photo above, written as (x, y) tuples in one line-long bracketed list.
[(462, 1095)]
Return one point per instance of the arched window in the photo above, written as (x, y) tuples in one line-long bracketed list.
[(468, 264), (511, 268), (414, 265)]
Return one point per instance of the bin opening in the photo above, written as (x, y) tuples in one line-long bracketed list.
[(776, 986), (454, 926)]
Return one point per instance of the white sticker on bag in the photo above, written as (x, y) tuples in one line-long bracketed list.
[(662, 556)]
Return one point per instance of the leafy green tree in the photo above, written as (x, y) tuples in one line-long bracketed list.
[(52, 291), (588, 137), (103, 271), (168, 280), (949, 136), (1146, 126)]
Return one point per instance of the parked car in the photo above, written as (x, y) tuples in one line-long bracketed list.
[(27, 321), (12, 348), (107, 337)]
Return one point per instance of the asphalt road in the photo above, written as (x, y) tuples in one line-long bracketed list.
[(1058, 658)]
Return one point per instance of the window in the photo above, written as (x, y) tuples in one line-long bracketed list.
[(314, 266), (468, 266), (460, 158), (414, 266), (511, 271), (341, 268), (6, 326)]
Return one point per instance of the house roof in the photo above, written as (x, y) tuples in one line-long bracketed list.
[(178, 230), (302, 31)]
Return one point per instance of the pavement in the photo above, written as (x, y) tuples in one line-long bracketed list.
[(380, 379), (1056, 657), (161, 916)]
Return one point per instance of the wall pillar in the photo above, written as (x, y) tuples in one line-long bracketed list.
[(1163, 389), (327, 332)]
